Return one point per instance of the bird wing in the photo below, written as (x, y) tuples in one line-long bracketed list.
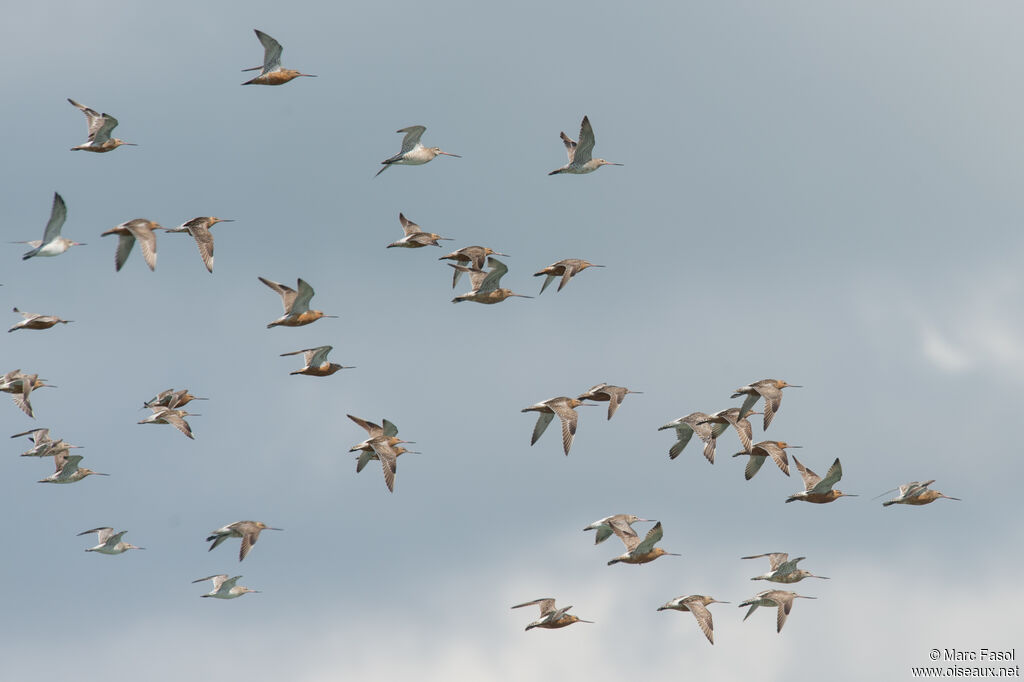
[(650, 540), (703, 616), (248, 540), (389, 428), (204, 240), (177, 421), (218, 580), (570, 145), (585, 147), (388, 461), (58, 214), (302, 299), (147, 240), (625, 532), (683, 433), (37, 435), (777, 454), (411, 139), (287, 293), (832, 476), (125, 242), (546, 604), (772, 401), (104, 125), (271, 52), (362, 460), (317, 356), (615, 395), (226, 584), (569, 419), (493, 278), (102, 533), (370, 427), (748, 403), (68, 464), (543, 419), (810, 478), (408, 226)]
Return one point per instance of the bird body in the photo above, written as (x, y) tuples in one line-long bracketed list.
[(20, 386)]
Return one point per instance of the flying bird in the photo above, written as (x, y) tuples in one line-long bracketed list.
[(199, 229), (413, 153), (474, 256), (759, 452), (580, 160), (783, 569), (271, 73), (109, 541), (604, 527), (817, 489), (770, 390), (67, 469), (296, 304), (224, 587), (685, 427), (316, 363), (52, 244), (36, 321), (550, 617), (566, 269), (613, 395), (100, 127), (249, 531), (779, 598), (415, 237), (127, 233), (562, 406), (697, 604), (486, 285), (916, 493), (638, 551)]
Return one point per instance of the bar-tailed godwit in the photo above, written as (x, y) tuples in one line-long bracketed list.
[(100, 127), (174, 417), (271, 73), (474, 256), (566, 269), (779, 598), (67, 469), (199, 229), (562, 406), (697, 604), (916, 493), (249, 531), (172, 399), (550, 617), (413, 153), (20, 386), (127, 233), (316, 361), (109, 541), (415, 237), (296, 304), (685, 427), (52, 243), (817, 489), (759, 452), (36, 321), (770, 390), (224, 587), (486, 285), (580, 160), (638, 551), (784, 569), (613, 395), (604, 526)]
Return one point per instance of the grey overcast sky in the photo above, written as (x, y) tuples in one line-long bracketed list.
[(826, 193)]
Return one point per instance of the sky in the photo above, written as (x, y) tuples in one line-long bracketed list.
[(825, 193)]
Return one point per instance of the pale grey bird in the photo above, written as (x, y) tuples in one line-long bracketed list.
[(580, 160), (109, 541), (783, 569), (224, 587), (413, 153), (249, 531), (604, 527), (613, 395), (52, 243), (697, 604), (779, 598)]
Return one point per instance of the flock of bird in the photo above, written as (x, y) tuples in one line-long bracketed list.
[(382, 442)]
